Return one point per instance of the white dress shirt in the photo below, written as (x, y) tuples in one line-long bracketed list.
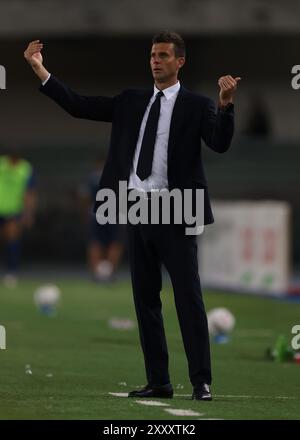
[(159, 176)]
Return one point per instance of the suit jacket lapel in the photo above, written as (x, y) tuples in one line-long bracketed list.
[(136, 117), (178, 116)]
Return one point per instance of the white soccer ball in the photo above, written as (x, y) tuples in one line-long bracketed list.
[(220, 321), (104, 270), (47, 296)]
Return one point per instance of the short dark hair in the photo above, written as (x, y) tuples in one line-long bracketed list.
[(171, 37)]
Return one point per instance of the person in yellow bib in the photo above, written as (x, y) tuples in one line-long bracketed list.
[(17, 207)]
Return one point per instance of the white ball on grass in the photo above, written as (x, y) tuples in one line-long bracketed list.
[(220, 321), (46, 298), (104, 270)]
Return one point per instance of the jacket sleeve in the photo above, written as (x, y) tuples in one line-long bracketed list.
[(217, 126), (96, 108)]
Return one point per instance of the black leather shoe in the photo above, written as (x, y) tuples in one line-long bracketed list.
[(163, 391), (202, 392)]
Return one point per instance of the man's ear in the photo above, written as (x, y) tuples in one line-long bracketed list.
[(181, 61)]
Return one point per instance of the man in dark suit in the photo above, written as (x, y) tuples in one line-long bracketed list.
[(156, 145)]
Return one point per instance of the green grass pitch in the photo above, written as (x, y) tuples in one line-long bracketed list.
[(77, 359)]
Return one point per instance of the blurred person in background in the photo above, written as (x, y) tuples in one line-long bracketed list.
[(17, 208), (105, 247)]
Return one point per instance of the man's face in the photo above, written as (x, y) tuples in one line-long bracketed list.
[(164, 64)]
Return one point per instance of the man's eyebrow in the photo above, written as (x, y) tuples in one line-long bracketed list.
[(160, 53)]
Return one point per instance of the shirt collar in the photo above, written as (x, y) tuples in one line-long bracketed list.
[(169, 91)]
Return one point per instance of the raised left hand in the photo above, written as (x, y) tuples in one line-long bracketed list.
[(228, 86)]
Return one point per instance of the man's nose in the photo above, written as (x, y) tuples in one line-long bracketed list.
[(156, 62)]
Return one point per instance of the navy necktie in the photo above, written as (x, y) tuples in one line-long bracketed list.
[(144, 166)]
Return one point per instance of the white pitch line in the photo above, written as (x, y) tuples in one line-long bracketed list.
[(151, 403), (183, 412), (230, 396), (255, 397), (118, 394), (227, 396)]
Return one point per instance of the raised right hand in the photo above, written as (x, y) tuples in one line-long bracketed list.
[(33, 54), (34, 57)]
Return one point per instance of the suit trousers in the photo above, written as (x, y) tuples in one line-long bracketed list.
[(150, 246)]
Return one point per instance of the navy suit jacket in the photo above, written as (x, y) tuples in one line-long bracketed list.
[(194, 118)]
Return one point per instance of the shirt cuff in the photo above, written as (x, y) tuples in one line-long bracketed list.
[(46, 80)]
